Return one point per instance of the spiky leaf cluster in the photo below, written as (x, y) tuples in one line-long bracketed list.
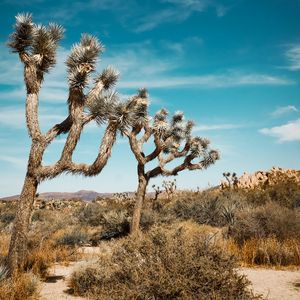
[(198, 146), (82, 60), (211, 158), (103, 106), (173, 132), (160, 123), (45, 42), (20, 40), (108, 77), (133, 113), (36, 40)]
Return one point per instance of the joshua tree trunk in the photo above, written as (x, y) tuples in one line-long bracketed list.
[(18, 244), (140, 196)]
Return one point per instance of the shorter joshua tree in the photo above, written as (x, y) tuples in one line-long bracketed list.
[(157, 191), (232, 180), (172, 139), (170, 187)]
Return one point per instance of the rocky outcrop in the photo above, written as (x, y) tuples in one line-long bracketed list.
[(262, 179)]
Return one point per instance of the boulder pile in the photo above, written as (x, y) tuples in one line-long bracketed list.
[(264, 178)]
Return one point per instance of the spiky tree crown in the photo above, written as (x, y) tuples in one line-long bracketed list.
[(38, 41), (173, 139)]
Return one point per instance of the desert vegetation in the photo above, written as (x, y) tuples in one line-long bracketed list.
[(189, 246), (170, 245)]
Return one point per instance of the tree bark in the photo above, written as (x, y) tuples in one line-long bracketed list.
[(17, 254), (18, 244), (141, 192)]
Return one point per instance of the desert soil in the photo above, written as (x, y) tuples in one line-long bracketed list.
[(272, 284)]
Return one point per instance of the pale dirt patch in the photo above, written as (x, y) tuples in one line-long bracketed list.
[(55, 287), (274, 284)]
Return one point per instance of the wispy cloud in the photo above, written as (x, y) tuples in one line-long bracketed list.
[(285, 133), (284, 110), (217, 127), (14, 117), (134, 15), (293, 56), (209, 81), (177, 11), (16, 162)]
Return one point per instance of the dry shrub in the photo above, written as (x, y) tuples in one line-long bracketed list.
[(39, 260), (74, 238), (211, 207), (266, 221), (114, 220), (177, 262), (7, 212), (43, 252), (4, 244), (25, 287)]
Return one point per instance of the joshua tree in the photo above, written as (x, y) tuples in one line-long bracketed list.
[(172, 139), (170, 187), (232, 179), (157, 191), (36, 46)]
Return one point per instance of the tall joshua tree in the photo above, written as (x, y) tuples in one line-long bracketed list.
[(172, 140), (36, 46)]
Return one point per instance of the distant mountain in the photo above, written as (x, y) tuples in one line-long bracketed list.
[(84, 195)]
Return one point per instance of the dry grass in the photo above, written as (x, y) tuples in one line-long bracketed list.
[(271, 252), (25, 287)]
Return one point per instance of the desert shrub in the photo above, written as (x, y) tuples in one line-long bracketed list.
[(149, 218), (7, 212), (212, 207), (285, 192), (114, 220), (73, 238), (3, 271), (25, 287), (266, 221), (115, 223), (91, 214), (177, 262)]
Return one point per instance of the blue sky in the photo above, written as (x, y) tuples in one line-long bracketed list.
[(232, 66)]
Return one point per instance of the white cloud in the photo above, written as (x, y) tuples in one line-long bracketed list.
[(285, 133), (293, 56), (216, 127), (284, 110)]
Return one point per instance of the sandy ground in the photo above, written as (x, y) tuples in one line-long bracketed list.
[(55, 287), (272, 284)]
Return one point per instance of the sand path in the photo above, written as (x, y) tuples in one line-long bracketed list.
[(55, 287), (274, 284)]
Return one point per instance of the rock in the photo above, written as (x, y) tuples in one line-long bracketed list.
[(262, 179)]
